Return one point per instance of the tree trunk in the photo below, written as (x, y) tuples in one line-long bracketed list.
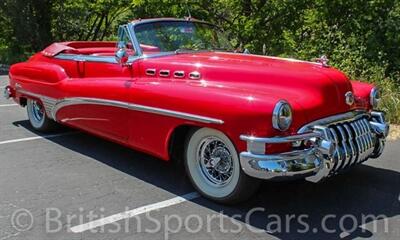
[(43, 14)]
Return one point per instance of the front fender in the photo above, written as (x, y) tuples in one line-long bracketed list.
[(241, 112), (362, 92)]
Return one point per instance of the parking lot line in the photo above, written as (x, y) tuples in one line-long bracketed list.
[(35, 138), (134, 212), (8, 105)]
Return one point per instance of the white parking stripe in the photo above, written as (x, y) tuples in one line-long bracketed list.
[(131, 213), (37, 137), (8, 105)]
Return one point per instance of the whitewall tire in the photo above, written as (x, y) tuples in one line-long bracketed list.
[(37, 116), (213, 166)]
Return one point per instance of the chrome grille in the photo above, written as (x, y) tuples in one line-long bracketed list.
[(355, 143)]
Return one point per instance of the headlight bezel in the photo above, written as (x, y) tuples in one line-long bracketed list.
[(374, 97), (279, 122)]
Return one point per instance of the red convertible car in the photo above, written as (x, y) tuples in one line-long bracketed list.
[(175, 89)]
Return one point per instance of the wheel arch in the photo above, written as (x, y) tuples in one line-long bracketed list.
[(176, 141), (23, 101), (177, 138)]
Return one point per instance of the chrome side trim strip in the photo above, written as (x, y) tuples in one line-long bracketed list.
[(89, 58), (136, 107), (48, 102), (79, 57), (77, 101), (52, 106)]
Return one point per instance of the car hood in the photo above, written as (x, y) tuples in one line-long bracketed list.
[(317, 90)]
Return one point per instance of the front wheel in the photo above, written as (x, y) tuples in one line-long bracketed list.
[(213, 166), (37, 116)]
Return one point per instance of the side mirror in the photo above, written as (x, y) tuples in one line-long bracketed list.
[(121, 56)]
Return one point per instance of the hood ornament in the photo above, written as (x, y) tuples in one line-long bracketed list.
[(349, 96), (323, 60)]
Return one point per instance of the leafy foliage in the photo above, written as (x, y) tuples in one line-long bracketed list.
[(361, 37)]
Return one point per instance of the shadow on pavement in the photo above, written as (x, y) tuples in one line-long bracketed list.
[(351, 197)]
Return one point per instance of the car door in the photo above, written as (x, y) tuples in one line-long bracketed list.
[(97, 99)]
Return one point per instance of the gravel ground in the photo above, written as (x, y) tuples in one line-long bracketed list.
[(394, 132)]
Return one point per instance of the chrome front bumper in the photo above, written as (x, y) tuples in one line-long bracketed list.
[(335, 144)]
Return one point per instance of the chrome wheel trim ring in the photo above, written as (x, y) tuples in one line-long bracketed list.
[(215, 161), (36, 113)]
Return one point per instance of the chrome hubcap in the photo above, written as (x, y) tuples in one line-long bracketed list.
[(38, 111), (215, 161)]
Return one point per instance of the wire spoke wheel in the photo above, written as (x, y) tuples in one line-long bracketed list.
[(37, 116), (38, 111), (213, 166), (215, 161)]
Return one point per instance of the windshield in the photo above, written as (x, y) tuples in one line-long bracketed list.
[(169, 36)]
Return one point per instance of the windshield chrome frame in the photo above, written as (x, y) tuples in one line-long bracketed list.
[(130, 29), (135, 41)]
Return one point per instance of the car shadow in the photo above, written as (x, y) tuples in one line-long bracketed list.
[(284, 209)]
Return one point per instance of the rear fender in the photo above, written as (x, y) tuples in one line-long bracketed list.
[(40, 72)]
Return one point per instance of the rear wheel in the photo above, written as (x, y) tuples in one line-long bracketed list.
[(37, 116), (213, 166)]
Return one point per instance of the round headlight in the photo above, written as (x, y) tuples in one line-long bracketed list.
[(282, 116), (374, 97)]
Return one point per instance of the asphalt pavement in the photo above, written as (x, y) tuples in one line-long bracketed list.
[(73, 185)]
